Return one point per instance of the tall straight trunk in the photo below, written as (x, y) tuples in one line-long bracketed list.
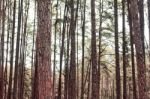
[(99, 46), (72, 72), (15, 87), (7, 48), (2, 51), (139, 50), (132, 53), (83, 43), (23, 53), (66, 82), (12, 52), (43, 51), (148, 3), (118, 83), (95, 80), (141, 17), (124, 52), (77, 44), (61, 55), (77, 62)]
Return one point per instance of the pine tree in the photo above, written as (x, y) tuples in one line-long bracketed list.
[(118, 83), (139, 50), (95, 80), (43, 81)]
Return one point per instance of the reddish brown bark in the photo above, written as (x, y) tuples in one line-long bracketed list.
[(132, 53), (139, 50), (43, 50)]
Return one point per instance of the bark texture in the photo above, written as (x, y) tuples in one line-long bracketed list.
[(95, 80), (118, 82), (139, 50), (43, 50)]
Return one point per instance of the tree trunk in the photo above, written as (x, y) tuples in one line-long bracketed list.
[(95, 80), (148, 3), (124, 52), (118, 83), (139, 50), (2, 50), (43, 51), (141, 17), (132, 53), (83, 44), (15, 87), (72, 92), (12, 52)]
